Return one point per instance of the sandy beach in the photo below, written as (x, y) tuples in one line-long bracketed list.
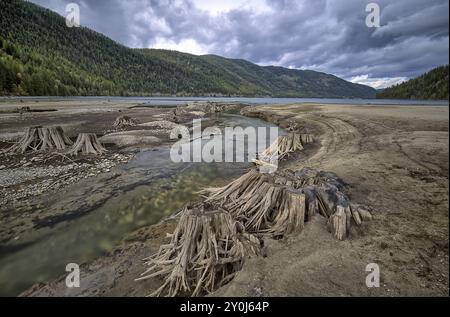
[(394, 158)]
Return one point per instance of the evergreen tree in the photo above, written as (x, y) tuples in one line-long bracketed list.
[(53, 59)]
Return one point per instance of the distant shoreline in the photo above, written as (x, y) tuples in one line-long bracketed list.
[(167, 101)]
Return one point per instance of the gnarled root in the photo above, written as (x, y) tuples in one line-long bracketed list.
[(281, 203), (41, 139), (206, 250), (87, 143)]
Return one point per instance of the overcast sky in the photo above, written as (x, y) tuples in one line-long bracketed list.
[(323, 35)]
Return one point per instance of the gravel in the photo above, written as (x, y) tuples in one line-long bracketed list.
[(18, 183)]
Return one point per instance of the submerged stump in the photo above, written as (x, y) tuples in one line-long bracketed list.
[(41, 139), (87, 143), (206, 250)]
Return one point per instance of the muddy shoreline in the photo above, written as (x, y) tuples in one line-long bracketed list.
[(395, 160)]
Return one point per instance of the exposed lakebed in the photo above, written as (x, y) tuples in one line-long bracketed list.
[(139, 193)]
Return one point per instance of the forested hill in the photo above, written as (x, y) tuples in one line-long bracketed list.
[(39, 55), (430, 86)]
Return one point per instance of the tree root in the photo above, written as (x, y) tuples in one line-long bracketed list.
[(41, 139), (280, 203), (206, 250), (87, 143)]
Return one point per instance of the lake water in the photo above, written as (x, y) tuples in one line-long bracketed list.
[(174, 101)]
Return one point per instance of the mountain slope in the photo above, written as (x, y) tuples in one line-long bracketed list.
[(430, 86), (39, 55)]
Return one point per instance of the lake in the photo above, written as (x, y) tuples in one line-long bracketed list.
[(174, 101)]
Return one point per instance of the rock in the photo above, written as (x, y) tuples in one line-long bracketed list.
[(2, 167)]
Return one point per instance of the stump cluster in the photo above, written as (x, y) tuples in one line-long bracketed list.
[(206, 250), (281, 203), (54, 139), (214, 236)]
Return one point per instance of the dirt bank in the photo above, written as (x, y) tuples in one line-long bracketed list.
[(395, 159)]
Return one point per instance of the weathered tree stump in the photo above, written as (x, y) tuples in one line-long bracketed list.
[(213, 237), (206, 250), (282, 147), (41, 139), (123, 122), (282, 202), (87, 143), (290, 217)]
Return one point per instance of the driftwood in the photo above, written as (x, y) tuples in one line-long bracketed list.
[(123, 122), (282, 147), (206, 250), (280, 203), (41, 139), (87, 143)]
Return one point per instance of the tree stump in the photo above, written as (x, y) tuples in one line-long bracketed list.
[(280, 203), (87, 143), (123, 122), (41, 139), (206, 250), (213, 237), (290, 216), (282, 147)]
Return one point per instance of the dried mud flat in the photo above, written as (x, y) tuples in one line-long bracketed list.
[(395, 159)]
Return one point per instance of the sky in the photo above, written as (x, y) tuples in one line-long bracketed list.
[(330, 36)]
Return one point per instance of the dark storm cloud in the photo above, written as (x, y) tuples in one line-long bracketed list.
[(324, 35)]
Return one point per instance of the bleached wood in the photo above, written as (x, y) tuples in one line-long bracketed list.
[(41, 139), (87, 143)]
